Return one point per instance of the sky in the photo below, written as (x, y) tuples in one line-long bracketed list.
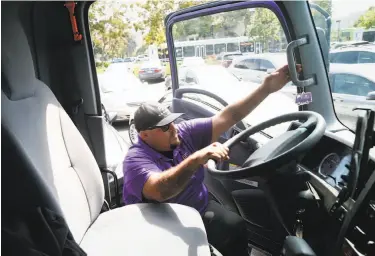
[(346, 7)]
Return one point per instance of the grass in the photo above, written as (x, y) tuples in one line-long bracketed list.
[(100, 70)]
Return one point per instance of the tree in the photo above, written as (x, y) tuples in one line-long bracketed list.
[(130, 47), (367, 20), (152, 14), (109, 30), (141, 50), (263, 27)]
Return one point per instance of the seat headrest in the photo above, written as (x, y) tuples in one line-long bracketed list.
[(16, 60)]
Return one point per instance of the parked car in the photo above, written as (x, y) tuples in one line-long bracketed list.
[(142, 57), (336, 45), (353, 55), (350, 86), (117, 60), (226, 58), (255, 67), (152, 70), (129, 59), (122, 92)]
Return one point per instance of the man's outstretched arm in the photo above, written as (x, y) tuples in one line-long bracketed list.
[(235, 112)]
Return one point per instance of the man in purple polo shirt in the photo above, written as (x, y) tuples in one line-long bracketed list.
[(167, 162)]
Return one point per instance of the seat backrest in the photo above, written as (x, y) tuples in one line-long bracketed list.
[(45, 134)]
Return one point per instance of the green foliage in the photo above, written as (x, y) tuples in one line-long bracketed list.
[(109, 30), (367, 20), (152, 14), (264, 27)]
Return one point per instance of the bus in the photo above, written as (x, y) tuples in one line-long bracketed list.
[(210, 47), (357, 34)]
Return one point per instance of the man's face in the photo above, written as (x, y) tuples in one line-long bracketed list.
[(161, 139)]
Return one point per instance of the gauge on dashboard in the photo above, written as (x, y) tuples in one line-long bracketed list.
[(329, 164)]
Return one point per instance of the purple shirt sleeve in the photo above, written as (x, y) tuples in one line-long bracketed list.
[(199, 130), (137, 169)]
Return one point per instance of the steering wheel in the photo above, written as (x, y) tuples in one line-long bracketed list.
[(278, 151)]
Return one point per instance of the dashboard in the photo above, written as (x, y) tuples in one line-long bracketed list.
[(329, 160), (328, 166)]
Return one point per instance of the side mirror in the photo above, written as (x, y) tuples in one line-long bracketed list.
[(270, 70), (370, 96)]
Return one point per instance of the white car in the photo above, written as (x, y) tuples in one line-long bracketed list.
[(226, 58), (122, 93), (353, 55), (351, 85), (255, 67)]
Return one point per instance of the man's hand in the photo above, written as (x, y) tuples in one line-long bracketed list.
[(276, 80), (216, 151), (162, 186)]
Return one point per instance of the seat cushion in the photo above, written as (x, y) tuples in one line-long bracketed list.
[(147, 229)]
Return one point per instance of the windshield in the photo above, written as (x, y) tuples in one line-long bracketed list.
[(220, 40), (351, 54)]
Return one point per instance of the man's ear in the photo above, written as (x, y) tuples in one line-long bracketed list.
[(143, 134)]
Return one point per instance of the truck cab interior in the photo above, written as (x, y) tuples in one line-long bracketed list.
[(55, 150)]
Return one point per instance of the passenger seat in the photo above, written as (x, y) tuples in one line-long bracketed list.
[(64, 168)]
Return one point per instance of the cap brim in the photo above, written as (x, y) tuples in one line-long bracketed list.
[(169, 119)]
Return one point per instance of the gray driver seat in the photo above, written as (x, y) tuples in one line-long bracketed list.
[(64, 168)]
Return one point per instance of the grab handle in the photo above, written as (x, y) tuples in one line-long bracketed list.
[(292, 64)]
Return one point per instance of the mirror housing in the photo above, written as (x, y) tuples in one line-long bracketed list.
[(371, 96), (270, 70)]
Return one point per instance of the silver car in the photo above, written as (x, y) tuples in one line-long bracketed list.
[(255, 67), (351, 87), (152, 70), (353, 55)]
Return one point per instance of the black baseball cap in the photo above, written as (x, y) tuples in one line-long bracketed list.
[(152, 115)]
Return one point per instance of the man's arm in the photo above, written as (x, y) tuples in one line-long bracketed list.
[(165, 185), (235, 112)]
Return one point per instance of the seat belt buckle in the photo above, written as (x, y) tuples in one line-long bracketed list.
[(76, 105)]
